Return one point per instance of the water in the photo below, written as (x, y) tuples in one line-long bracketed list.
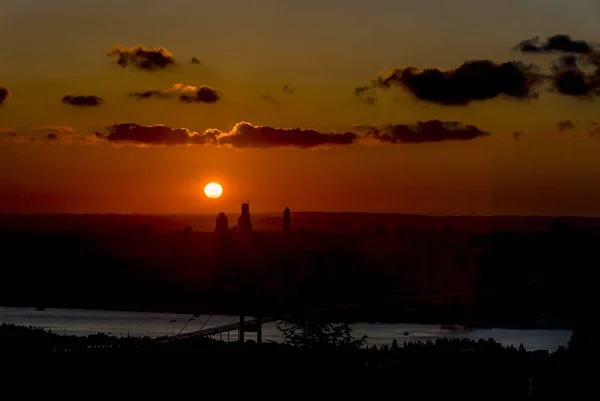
[(116, 323)]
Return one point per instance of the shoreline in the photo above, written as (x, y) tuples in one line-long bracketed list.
[(425, 321)]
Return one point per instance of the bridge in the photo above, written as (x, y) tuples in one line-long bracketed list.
[(246, 325), (254, 325)]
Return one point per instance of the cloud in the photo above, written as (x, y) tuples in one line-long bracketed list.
[(52, 134), (56, 129), (243, 135), (472, 81), (185, 93), (565, 125), (425, 131), (141, 57), (147, 94), (6, 132), (366, 94), (246, 135), (3, 94), (556, 43), (569, 79), (269, 99), (195, 60), (288, 89), (203, 94), (592, 128), (82, 100), (517, 135), (155, 135)]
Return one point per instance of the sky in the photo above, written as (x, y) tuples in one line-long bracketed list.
[(427, 107)]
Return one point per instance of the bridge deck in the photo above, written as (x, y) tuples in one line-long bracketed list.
[(216, 330)]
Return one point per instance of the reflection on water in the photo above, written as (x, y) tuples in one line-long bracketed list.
[(83, 322)]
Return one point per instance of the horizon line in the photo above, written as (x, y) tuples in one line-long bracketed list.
[(295, 212)]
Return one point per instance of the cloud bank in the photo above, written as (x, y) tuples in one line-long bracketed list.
[(242, 135), (154, 135), (246, 135)]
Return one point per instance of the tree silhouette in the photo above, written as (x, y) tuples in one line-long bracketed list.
[(315, 333)]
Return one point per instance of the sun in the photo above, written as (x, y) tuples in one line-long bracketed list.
[(213, 190)]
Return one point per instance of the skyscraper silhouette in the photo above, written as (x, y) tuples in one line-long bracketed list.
[(286, 220), (244, 221), (222, 225)]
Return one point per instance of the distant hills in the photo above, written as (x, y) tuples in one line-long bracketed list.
[(310, 221)]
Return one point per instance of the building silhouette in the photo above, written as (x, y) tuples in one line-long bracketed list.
[(222, 224), (245, 221), (286, 220)]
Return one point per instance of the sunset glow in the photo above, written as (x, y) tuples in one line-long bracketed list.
[(131, 108)]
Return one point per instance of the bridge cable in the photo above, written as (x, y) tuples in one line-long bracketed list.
[(207, 320), (185, 325), (192, 318)]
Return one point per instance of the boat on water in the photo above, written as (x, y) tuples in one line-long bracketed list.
[(40, 308)]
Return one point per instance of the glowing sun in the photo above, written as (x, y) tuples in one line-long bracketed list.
[(213, 190)]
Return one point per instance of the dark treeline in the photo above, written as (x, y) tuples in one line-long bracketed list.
[(444, 367), (519, 277)]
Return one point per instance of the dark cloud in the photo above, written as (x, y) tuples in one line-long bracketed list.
[(426, 131), (82, 100), (556, 43), (569, 79), (185, 93), (288, 89), (243, 135), (472, 81), (246, 135), (204, 94), (195, 60), (3, 94), (155, 135), (141, 57), (517, 135), (565, 125), (269, 99)]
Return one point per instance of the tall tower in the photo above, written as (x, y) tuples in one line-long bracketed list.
[(245, 221), (286, 220), (222, 225)]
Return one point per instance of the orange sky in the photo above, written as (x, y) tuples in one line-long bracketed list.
[(248, 53)]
